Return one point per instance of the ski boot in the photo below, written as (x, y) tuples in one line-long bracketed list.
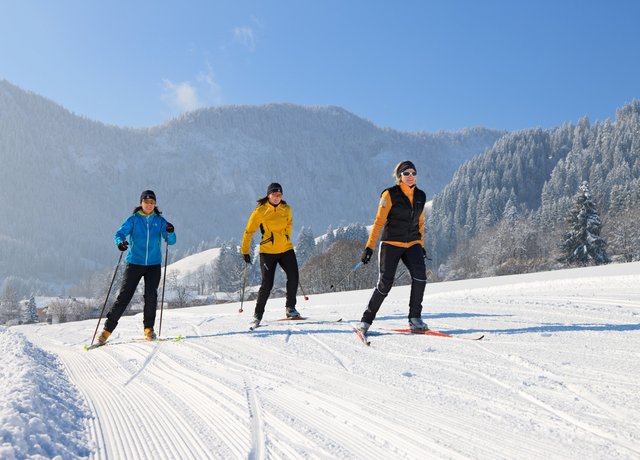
[(416, 324), (255, 323), (362, 328), (149, 334), (292, 312), (102, 338)]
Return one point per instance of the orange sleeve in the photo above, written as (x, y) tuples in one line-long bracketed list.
[(421, 225), (381, 219)]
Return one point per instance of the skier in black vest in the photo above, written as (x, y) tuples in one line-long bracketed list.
[(400, 218)]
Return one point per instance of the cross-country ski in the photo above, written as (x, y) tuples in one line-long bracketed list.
[(437, 334), (134, 340)]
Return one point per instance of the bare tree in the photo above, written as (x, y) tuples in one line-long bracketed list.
[(60, 310), (80, 310), (624, 234), (180, 290), (200, 279), (9, 302), (513, 246), (335, 268)]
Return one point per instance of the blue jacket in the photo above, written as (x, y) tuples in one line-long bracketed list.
[(144, 234)]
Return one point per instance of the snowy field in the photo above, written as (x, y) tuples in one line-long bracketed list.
[(557, 376)]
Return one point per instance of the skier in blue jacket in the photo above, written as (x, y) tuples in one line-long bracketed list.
[(141, 233)]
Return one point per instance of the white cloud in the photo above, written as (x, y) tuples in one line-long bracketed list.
[(180, 96), (187, 96), (207, 78), (245, 36)]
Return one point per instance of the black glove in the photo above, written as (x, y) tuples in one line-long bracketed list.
[(170, 228), (247, 258), (366, 255), (123, 245)]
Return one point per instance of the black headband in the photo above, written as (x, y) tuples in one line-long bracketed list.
[(406, 165)]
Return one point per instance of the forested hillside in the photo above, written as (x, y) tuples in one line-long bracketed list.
[(524, 187)]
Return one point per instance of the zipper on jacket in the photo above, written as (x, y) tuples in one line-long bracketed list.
[(146, 257), (411, 206)]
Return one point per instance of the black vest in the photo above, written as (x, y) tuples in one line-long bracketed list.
[(403, 219)]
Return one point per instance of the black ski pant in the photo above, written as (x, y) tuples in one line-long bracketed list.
[(289, 264), (389, 257), (130, 280)]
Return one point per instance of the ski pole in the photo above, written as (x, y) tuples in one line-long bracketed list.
[(164, 279), (353, 269), (244, 283), (302, 290), (107, 298)]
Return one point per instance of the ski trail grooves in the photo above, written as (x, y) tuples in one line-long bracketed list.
[(223, 422), (615, 438), (339, 359), (151, 423), (141, 407), (257, 430), (144, 365)]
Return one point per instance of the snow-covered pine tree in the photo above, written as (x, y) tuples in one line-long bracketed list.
[(229, 268), (582, 243), (510, 212), (31, 311), (353, 232), (328, 240), (306, 247)]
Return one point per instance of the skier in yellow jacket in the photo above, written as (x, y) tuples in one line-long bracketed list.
[(272, 216)]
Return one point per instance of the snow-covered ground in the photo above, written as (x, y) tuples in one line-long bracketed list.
[(556, 377), (41, 413)]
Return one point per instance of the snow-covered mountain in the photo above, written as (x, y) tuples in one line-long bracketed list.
[(68, 182), (556, 376)]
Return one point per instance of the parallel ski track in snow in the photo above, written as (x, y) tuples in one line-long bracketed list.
[(582, 394), (309, 407), (156, 403)]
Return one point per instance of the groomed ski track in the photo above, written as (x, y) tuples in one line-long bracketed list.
[(555, 377)]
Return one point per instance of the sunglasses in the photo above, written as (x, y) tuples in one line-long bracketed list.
[(409, 173)]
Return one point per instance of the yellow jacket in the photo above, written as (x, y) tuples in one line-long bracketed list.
[(275, 223)]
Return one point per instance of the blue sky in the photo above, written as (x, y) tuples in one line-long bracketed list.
[(408, 65)]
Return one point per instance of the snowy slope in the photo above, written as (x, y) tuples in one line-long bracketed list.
[(190, 264), (556, 376)]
